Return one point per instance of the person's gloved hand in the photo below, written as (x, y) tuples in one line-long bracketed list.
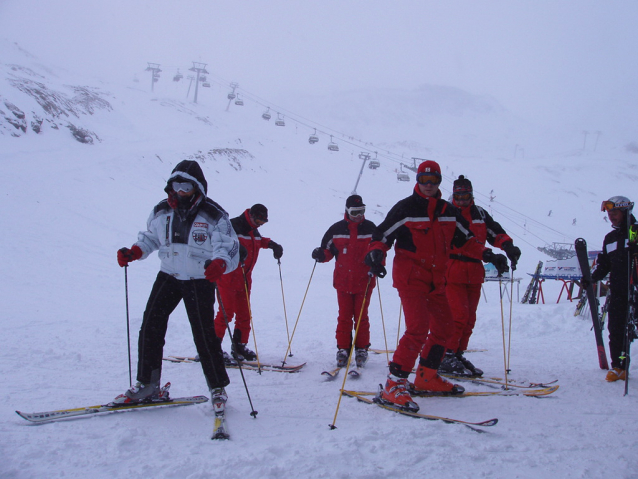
[(318, 255), (214, 269), (512, 252), (125, 255), (374, 259), (498, 260), (277, 249)]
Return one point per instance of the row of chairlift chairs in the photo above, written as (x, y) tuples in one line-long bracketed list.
[(312, 139), (202, 78)]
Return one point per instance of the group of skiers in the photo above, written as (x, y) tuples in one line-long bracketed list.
[(437, 271)]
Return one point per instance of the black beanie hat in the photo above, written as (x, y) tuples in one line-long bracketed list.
[(259, 212), (354, 201), (462, 185)]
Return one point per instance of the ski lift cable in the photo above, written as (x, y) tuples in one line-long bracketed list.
[(369, 147), (310, 123), (516, 224)]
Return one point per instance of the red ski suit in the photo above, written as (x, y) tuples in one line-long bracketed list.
[(233, 288), (348, 241), (425, 229), (465, 274)]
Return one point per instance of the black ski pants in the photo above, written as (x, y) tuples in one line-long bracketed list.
[(199, 298), (616, 326)]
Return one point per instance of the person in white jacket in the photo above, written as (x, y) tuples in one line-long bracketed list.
[(196, 244)]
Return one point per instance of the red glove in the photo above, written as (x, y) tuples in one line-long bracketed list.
[(125, 255), (215, 270)]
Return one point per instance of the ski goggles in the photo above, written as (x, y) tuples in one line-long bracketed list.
[(463, 196), (259, 220), (610, 205), (184, 186), (428, 178), (356, 210)]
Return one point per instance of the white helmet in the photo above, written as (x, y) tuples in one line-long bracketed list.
[(617, 203)]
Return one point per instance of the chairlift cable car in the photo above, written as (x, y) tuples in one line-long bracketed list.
[(332, 146), (239, 101), (313, 138), (266, 115), (280, 121)]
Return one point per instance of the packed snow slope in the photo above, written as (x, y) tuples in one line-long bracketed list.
[(69, 205)]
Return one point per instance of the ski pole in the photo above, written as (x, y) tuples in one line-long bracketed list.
[(283, 298), (509, 331), (500, 291), (250, 315), (399, 325), (352, 347), (253, 413), (385, 337), (300, 308), (128, 327)]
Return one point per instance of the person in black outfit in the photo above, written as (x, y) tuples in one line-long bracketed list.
[(614, 260), (197, 245)]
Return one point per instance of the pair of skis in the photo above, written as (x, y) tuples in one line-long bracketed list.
[(583, 261), (375, 398), (365, 398), (332, 374), (247, 365), (219, 429)]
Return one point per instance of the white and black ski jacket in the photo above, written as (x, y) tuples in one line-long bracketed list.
[(186, 242)]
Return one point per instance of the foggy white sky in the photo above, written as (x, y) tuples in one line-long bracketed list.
[(541, 59)]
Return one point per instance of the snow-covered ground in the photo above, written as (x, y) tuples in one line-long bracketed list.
[(69, 206)]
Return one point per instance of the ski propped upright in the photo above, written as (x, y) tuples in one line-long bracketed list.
[(581, 252)]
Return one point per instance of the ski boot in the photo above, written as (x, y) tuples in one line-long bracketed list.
[(238, 349), (141, 392), (395, 394), (228, 361), (468, 365), (615, 374), (428, 381), (342, 358), (451, 364), (360, 357), (218, 397)]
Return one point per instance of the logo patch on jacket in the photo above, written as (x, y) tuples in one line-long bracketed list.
[(200, 225), (200, 236)]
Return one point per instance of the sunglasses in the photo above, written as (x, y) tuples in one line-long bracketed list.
[(428, 178), (356, 211), (610, 205), (185, 186)]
